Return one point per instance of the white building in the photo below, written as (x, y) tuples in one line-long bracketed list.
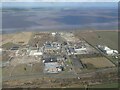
[(82, 50), (50, 47), (111, 52), (107, 50), (53, 33), (35, 53), (0, 51), (52, 67)]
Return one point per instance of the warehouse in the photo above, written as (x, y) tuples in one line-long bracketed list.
[(35, 53), (107, 50), (51, 47), (51, 65)]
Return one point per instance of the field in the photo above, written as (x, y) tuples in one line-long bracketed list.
[(106, 37), (0, 39), (1, 78), (40, 38), (6, 72), (98, 62), (109, 85), (22, 37), (22, 69)]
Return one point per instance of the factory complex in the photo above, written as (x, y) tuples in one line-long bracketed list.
[(60, 52)]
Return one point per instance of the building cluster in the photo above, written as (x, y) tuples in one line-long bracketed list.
[(49, 54), (51, 47), (52, 58), (75, 46), (107, 50), (53, 64), (78, 48), (56, 55), (69, 37)]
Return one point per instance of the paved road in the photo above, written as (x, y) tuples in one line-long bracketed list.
[(76, 62), (62, 75)]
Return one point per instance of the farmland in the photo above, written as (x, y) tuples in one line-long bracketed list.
[(99, 62), (110, 85), (106, 37), (17, 38), (22, 69)]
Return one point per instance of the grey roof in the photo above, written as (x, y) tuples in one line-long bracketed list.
[(52, 59)]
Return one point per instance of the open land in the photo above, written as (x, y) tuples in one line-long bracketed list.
[(104, 37), (58, 59), (98, 62), (22, 38)]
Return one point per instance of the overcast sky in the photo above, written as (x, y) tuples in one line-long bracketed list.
[(59, 4), (60, 0)]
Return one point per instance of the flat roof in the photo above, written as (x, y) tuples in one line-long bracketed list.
[(51, 67), (51, 59)]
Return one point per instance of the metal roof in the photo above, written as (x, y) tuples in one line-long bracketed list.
[(51, 59)]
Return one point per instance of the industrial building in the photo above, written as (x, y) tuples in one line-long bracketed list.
[(1, 51), (80, 47), (49, 47), (53, 34), (15, 48), (51, 65), (80, 50), (35, 53), (107, 50)]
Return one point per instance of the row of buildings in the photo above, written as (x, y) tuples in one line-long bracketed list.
[(80, 47)]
